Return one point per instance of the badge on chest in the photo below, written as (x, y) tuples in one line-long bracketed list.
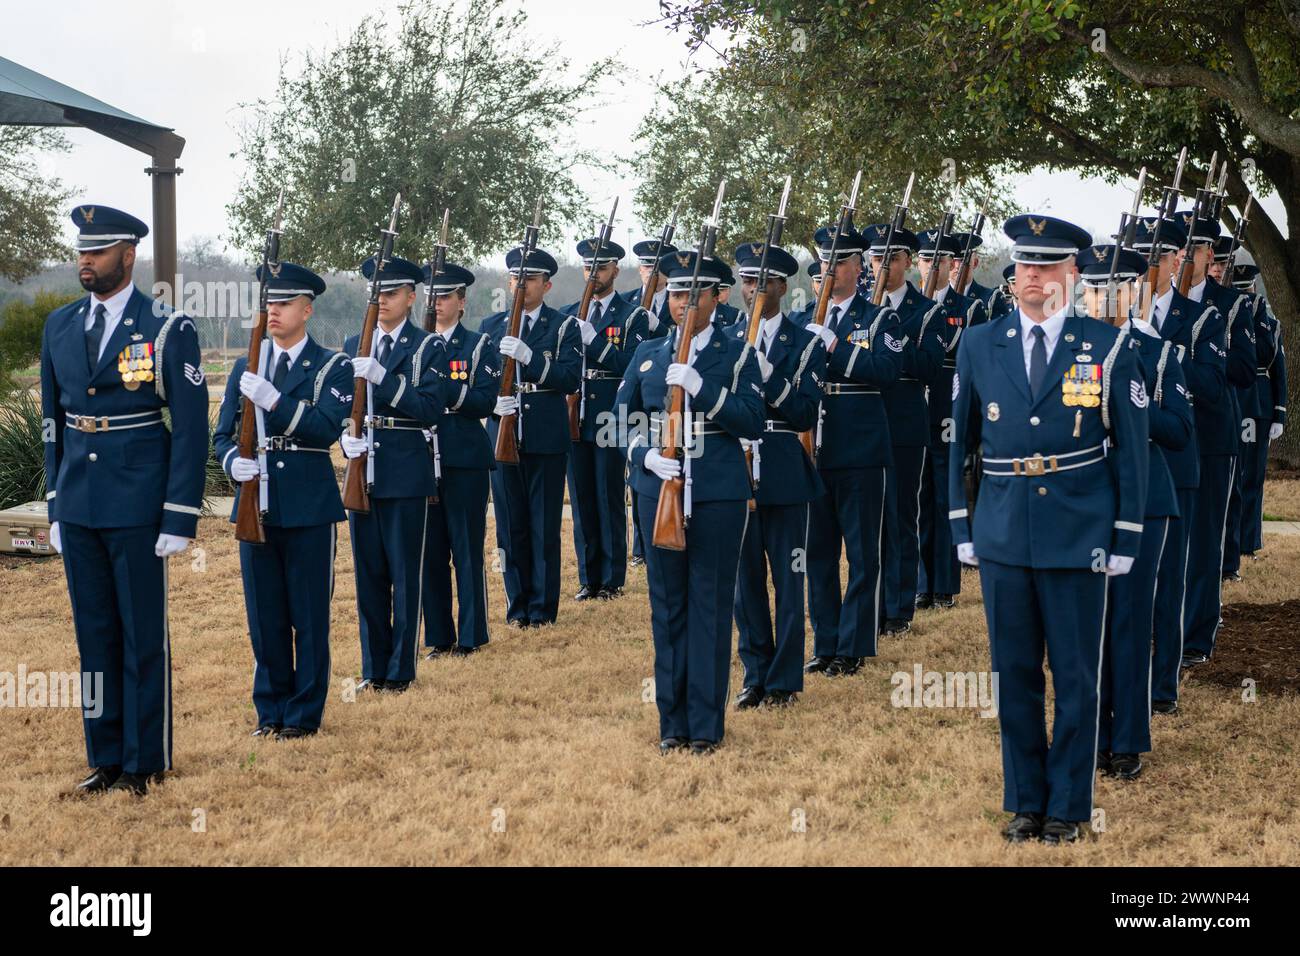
[(1081, 386), (861, 338), (458, 368), (612, 334), (135, 364)]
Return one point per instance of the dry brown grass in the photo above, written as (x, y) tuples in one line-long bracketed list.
[(548, 730), (1282, 498)]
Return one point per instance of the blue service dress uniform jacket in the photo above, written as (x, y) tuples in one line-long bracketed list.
[(289, 579), (463, 463), (1064, 488), (116, 478), (388, 544), (692, 591), (528, 498)]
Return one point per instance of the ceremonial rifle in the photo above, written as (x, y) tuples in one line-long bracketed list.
[(1123, 238), (665, 237), (775, 225), (932, 277), (964, 272), (895, 224), (578, 400), (360, 475), (507, 450), (1168, 203), (436, 265), (1199, 207), (670, 515), (253, 494)]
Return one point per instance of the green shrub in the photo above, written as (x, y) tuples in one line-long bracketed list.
[(21, 324), (22, 454)]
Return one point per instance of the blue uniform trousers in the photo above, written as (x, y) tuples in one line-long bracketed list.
[(777, 535), (852, 512), (902, 542), (1171, 600), (691, 595), (118, 588), (1254, 465), (940, 572), (1205, 557), (1064, 610), (596, 483), (638, 537), (288, 584), (1125, 725), (528, 499), (387, 554), (1232, 527), (457, 530)]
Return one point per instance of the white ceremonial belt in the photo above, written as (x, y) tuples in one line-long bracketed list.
[(530, 387), (112, 423), (1039, 464)]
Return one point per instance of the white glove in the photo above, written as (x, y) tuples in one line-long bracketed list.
[(243, 469), (966, 554), (685, 376), (169, 544), (1275, 431), (369, 369), (661, 467), (826, 335), (764, 366), (587, 331), (56, 538), (1118, 564), (352, 447), (746, 444), (506, 405), (258, 391), (516, 349)]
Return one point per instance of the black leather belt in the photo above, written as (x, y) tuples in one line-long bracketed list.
[(849, 388), (771, 425), (284, 443), (383, 421)]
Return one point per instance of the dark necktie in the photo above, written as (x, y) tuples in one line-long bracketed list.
[(595, 313), (1037, 362), (281, 370), (834, 320), (94, 336), (385, 349)]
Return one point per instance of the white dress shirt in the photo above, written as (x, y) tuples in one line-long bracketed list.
[(451, 330), (114, 306), (393, 337), (767, 330), (895, 297), (1051, 327), (1197, 292), (1160, 307), (294, 351)]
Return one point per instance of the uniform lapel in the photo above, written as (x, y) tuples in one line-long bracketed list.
[(1063, 356), (781, 343), (403, 345), (299, 369), (121, 336), (1011, 353), (1173, 322)]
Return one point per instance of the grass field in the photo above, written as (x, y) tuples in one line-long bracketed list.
[(542, 750)]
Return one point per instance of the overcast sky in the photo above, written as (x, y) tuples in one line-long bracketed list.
[(189, 66)]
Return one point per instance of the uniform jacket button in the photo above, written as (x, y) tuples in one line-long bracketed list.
[(91, 390), (94, 457), (1042, 490), (279, 464), (1034, 420), (526, 407)]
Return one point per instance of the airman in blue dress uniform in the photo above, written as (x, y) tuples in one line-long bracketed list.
[(611, 332), (1056, 405), (463, 461), (304, 399), (648, 266), (924, 338), (1270, 398), (865, 346), (691, 591), (1197, 333), (726, 314), (792, 364), (528, 498), (1125, 726), (939, 578), (123, 491), (996, 302), (1218, 449), (408, 394)]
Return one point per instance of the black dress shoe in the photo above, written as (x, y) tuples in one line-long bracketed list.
[(749, 698), (1231, 576), (461, 650), (817, 665), (844, 667), (780, 698), (397, 686), (895, 625), (518, 623), (1126, 766), (266, 730), (1103, 761), (586, 594), (1194, 660), (437, 652), (701, 747), (538, 623), (944, 600), (669, 744), (924, 602), (295, 733), (136, 783), (608, 594), (637, 561), (370, 684), (1056, 830), (1023, 827), (100, 779), (1166, 707)]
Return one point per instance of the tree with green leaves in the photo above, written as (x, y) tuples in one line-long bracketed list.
[(999, 88), (32, 205), (453, 107)]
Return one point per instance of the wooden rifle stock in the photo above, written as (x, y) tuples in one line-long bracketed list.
[(670, 515), (355, 496), (507, 450), (248, 517)]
